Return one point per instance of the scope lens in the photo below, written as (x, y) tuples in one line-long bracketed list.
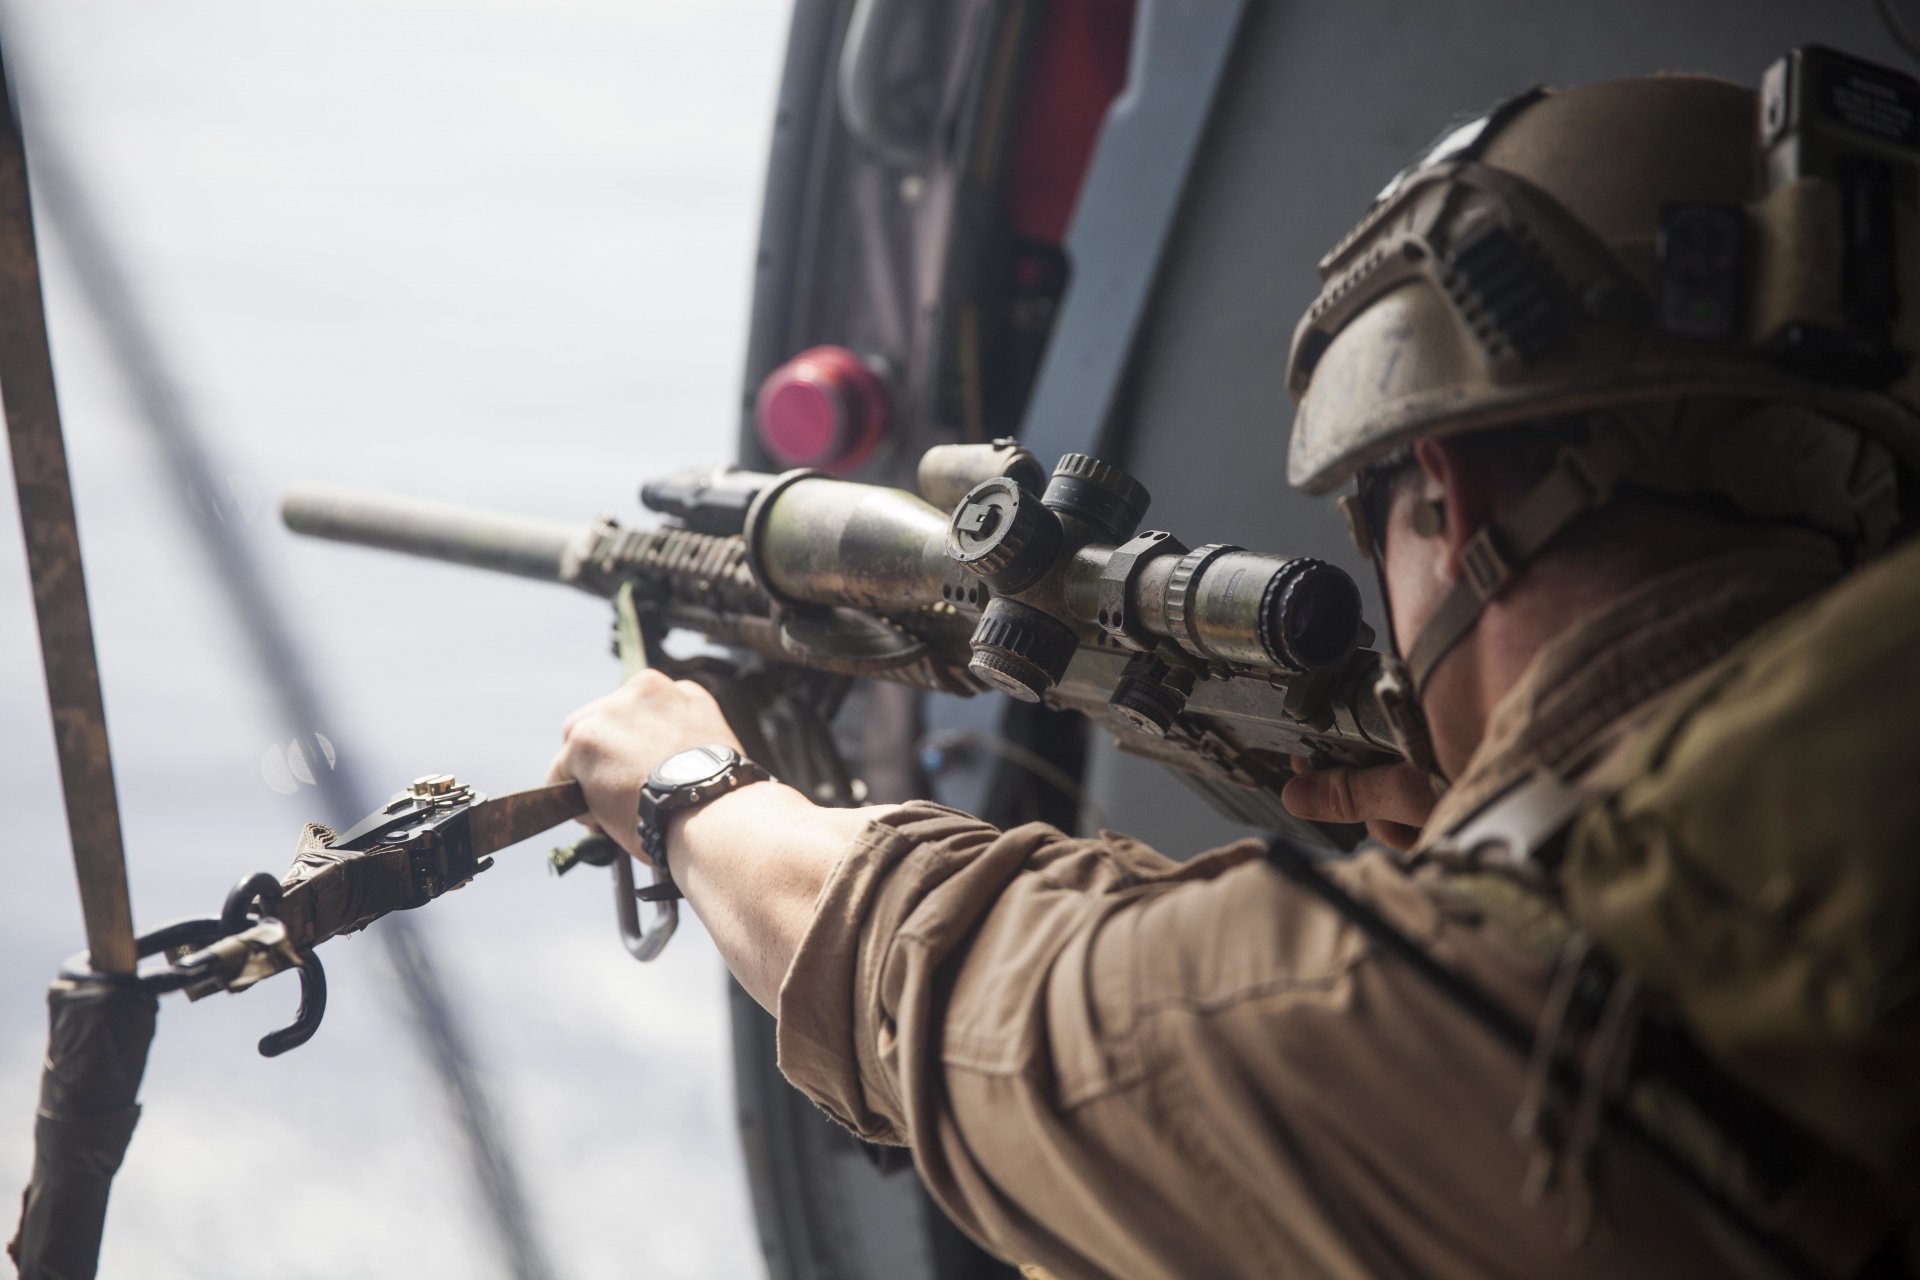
[(1319, 617)]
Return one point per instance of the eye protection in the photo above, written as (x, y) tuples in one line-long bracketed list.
[(1366, 509)]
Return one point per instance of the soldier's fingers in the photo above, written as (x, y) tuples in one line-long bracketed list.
[(1396, 793), (559, 771), (564, 769), (1395, 835), (645, 686), (572, 722), (641, 692)]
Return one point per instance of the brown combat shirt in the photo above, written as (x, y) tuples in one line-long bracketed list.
[(1111, 1064)]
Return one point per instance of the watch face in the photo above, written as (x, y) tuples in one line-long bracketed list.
[(690, 768)]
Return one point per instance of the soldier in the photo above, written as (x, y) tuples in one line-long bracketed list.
[(1619, 377)]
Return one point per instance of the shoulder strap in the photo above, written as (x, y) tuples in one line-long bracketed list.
[(1522, 829)]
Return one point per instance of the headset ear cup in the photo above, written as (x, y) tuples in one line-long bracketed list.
[(1429, 517)]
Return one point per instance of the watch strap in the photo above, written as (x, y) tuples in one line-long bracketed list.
[(656, 805)]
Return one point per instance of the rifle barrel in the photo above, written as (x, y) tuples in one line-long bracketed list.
[(519, 545)]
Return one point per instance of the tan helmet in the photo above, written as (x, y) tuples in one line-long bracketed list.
[(1623, 244), (1708, 278)]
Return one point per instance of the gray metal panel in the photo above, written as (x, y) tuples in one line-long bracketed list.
[(1322, 103), (824, 1204), (1127, 210), (802, 123)]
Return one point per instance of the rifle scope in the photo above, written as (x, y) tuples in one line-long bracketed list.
[(1040, 573), (1047, 571)]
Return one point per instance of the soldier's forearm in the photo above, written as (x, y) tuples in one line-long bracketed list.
[(752, 864)]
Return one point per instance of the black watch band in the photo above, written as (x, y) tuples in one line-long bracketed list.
[(687, 780)]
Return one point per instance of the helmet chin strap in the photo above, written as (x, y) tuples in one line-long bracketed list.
[(1393, 689), (1583, 478)]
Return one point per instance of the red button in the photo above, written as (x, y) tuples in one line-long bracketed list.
[(824, 408)]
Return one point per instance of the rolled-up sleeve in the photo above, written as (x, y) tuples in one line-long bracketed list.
[(918, 889), (950, 993)]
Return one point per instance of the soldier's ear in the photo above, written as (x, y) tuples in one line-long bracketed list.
[(1454, 500)]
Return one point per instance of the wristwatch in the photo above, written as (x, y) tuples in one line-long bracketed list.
[(686, 780)]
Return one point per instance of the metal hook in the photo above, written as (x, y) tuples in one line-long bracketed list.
[(642, 944), (313, 1007), (238, 914)]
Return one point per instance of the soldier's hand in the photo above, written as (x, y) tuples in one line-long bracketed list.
[(1393, 800), (612, 744)]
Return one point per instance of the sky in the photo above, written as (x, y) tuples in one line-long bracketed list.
[(488, 251)]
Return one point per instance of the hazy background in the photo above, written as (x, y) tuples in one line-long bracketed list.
[(495, 251)]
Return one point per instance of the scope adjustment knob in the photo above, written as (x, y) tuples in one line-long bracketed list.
[(1098, 493), (1001, 532), (1019, 650), (1150, 696)]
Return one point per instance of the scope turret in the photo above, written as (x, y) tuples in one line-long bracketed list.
[(1072, 563), (1098, 493)]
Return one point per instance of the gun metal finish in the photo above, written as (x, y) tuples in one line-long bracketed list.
[(517, 545), (1217, 661), (947, 472)]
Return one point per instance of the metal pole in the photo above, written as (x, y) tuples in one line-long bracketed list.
[(53, 560)]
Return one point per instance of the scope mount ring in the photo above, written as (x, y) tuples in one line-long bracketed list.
[(1117, 616), (753, 526)]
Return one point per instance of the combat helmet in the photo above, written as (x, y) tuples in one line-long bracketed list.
[(1662, 254)]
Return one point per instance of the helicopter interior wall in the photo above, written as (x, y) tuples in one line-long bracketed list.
[(1321, 104)]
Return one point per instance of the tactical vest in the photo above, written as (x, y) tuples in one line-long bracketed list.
[(1751, 865), (1732, 901)]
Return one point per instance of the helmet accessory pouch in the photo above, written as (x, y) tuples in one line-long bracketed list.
[(1853, 125)]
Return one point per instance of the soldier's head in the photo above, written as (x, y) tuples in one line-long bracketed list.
[(1595, 332)]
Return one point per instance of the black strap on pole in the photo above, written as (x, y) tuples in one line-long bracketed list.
[(53, 560), (99, 1029)]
